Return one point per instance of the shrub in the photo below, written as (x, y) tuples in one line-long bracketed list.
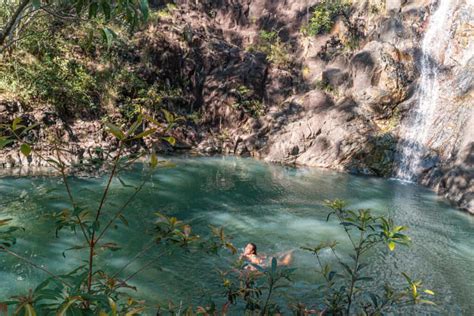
[(270, 44), (324, 86), (75, 72), (166, 11), (56, 67), (247, 102), (348, 288), (323, 16)]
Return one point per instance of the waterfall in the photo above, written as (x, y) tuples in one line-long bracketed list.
[(415, 133)]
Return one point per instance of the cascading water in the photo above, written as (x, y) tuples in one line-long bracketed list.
[(415, 135)]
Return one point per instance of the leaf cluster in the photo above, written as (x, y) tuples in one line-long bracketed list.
[(256, 285), (323, 16), (270, 43), (247, 101), (349, 288)]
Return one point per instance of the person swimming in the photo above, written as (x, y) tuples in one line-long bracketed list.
[(250, 255)]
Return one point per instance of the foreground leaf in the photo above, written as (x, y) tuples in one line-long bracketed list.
[(115, 130), (25, 149)]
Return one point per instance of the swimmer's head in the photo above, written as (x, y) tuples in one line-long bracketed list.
[(250, 249)]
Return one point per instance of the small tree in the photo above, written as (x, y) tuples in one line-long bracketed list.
[(89, 289), (349, 288)]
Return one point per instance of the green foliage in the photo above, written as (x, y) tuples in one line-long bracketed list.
[(18, 14), (351, 43), (324, 86), (72, 56), (224, 135), (7, 233), (256, 286), (58, 67), (139, 96), (277, 51), (377, 7), (388, 124), (268, 36), (323, 16), (73, 71), (247, 102), (131, 11), (64, 83), (195, 117), (327, 87), (65, 295), (166, 11), (350, 289)]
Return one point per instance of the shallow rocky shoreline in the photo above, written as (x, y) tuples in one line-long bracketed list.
[(452, 185)]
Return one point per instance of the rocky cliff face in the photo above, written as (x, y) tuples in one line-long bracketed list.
[(346, 108), (261, 86)]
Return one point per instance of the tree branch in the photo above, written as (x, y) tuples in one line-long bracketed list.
[(92, 240), (120, 211), (145, 266), (11, 24), (144, 250), (31, 263)]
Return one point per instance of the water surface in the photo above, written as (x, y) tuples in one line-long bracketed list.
[(279, 208)]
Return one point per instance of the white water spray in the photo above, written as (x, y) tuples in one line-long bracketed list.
[(415, 134)]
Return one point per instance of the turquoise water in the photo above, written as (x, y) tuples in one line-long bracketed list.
[(279, 208)]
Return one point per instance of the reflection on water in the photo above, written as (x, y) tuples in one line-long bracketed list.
[(279, 208)]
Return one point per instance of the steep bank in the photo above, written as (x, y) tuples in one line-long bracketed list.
[(263, 78)]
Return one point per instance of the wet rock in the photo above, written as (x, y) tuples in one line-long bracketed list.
[(428, 163)]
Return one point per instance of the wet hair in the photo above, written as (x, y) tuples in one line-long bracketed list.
[(254, 247)]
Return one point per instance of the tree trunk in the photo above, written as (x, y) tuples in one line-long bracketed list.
[(11, 24)]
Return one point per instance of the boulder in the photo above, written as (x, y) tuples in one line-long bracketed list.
[(381, 75)]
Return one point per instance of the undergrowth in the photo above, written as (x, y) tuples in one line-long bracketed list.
[(324, 16)]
